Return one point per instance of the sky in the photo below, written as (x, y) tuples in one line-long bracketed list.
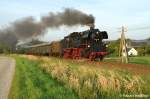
[(110, 15)]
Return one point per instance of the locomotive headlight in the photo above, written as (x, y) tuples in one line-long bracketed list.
[(88, 46), (96, 32)]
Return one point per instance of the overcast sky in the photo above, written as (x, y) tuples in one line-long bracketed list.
[(110, 15)]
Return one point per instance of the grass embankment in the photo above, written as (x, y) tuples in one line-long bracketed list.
[(91, 82), (30, 82)]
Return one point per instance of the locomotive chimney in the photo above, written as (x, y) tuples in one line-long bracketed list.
[(91, 26)]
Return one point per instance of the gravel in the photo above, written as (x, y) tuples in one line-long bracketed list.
[(7, 68)]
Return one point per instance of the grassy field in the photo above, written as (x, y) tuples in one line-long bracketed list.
[(140, 60), (89, 81), (30, 82), (135, 60), (56, 78)]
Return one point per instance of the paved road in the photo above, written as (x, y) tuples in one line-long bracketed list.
[(7, 67)]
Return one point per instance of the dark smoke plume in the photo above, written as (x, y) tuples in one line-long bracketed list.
[(69, 17), (8, 39), (28, 28)]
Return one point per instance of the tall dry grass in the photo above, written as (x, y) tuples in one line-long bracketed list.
[(92, 83)]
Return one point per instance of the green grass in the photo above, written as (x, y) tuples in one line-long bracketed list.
[(140, 60), (30, 82), (33, 81), (135, 60)]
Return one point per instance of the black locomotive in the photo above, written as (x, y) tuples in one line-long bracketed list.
[(77, 45), (88, 44)]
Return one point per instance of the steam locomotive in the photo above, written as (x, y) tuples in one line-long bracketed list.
[(86, 44)]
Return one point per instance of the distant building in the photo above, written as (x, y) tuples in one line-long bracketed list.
[(132, 45), (132, 52)]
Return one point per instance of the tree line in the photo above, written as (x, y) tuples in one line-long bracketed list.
[(113, 48)]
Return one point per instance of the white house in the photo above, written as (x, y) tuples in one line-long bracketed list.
[(132, 52)]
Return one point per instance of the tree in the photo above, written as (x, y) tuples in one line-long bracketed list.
[(141, 51), (4, 48), (113, 48), (8, 41), (148, 39), (147, 50)]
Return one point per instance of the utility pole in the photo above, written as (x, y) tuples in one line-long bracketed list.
[(123, 49)]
